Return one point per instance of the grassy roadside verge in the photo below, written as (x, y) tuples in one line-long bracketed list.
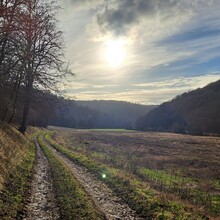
[(17, 159), (14, 193), (147, 202), (73, 201)]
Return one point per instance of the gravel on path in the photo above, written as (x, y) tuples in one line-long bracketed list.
[(42, 204)]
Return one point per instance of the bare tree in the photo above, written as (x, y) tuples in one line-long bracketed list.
[(40, 48), (31, 53), (10, 65), (8, 13)]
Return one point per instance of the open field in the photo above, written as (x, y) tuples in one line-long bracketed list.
[(177, 168)]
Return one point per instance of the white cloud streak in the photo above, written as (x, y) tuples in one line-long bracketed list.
[(147, 93)]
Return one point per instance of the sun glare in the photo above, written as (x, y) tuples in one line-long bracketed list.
[(115, 53)]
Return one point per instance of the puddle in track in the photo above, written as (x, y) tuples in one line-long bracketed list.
[(112, 206), (42, 204)]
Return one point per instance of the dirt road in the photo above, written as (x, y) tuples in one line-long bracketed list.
[(111, 205), (42, 204)]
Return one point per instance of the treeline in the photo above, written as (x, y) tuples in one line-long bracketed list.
[(48, 109), (31, 56), (42, 107), (195, 112), (99, 114)]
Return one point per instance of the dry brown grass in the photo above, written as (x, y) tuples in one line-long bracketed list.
[(195, 156), (13, 149), (16, 166), (188, 166)]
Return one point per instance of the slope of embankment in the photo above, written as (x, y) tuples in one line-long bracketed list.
[(17, 156)]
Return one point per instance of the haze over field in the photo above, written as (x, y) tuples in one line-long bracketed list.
[(140, 51)]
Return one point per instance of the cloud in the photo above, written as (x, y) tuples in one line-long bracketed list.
[(143, 19), (131, 16), (183, 83), (142, 96), (118, 16), (83, 4), (146, 93), (200, 36), (83, 87)]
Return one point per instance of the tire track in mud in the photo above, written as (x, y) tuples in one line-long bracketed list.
[(112, 206), (42, 204)]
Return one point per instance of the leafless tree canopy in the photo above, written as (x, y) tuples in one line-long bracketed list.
[(31, 51)]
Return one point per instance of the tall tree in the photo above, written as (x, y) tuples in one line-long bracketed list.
[(8, 13), (40, 47), (9, 63)]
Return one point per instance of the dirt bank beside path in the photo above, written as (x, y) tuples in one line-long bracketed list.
[(42, 204)]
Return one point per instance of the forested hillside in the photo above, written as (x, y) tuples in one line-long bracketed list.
[(48, 109), (193, 112), (99, 114)]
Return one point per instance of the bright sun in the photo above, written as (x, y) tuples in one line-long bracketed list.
[(115, 53)]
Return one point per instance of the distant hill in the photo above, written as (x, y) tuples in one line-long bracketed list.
[(119, 111), (100, 114), (49, 109), (196, 112)]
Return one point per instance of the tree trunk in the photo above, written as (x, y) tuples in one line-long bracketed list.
[(23, 125), (14, 109), (16, 99), (14, 93), (7, 107), (27, 100)]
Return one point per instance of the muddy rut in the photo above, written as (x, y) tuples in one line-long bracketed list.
[(42, 204), (111, 205)]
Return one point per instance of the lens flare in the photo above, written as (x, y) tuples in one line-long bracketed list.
[(103, 175)]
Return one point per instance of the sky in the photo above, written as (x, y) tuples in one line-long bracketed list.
[(141, 51)]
